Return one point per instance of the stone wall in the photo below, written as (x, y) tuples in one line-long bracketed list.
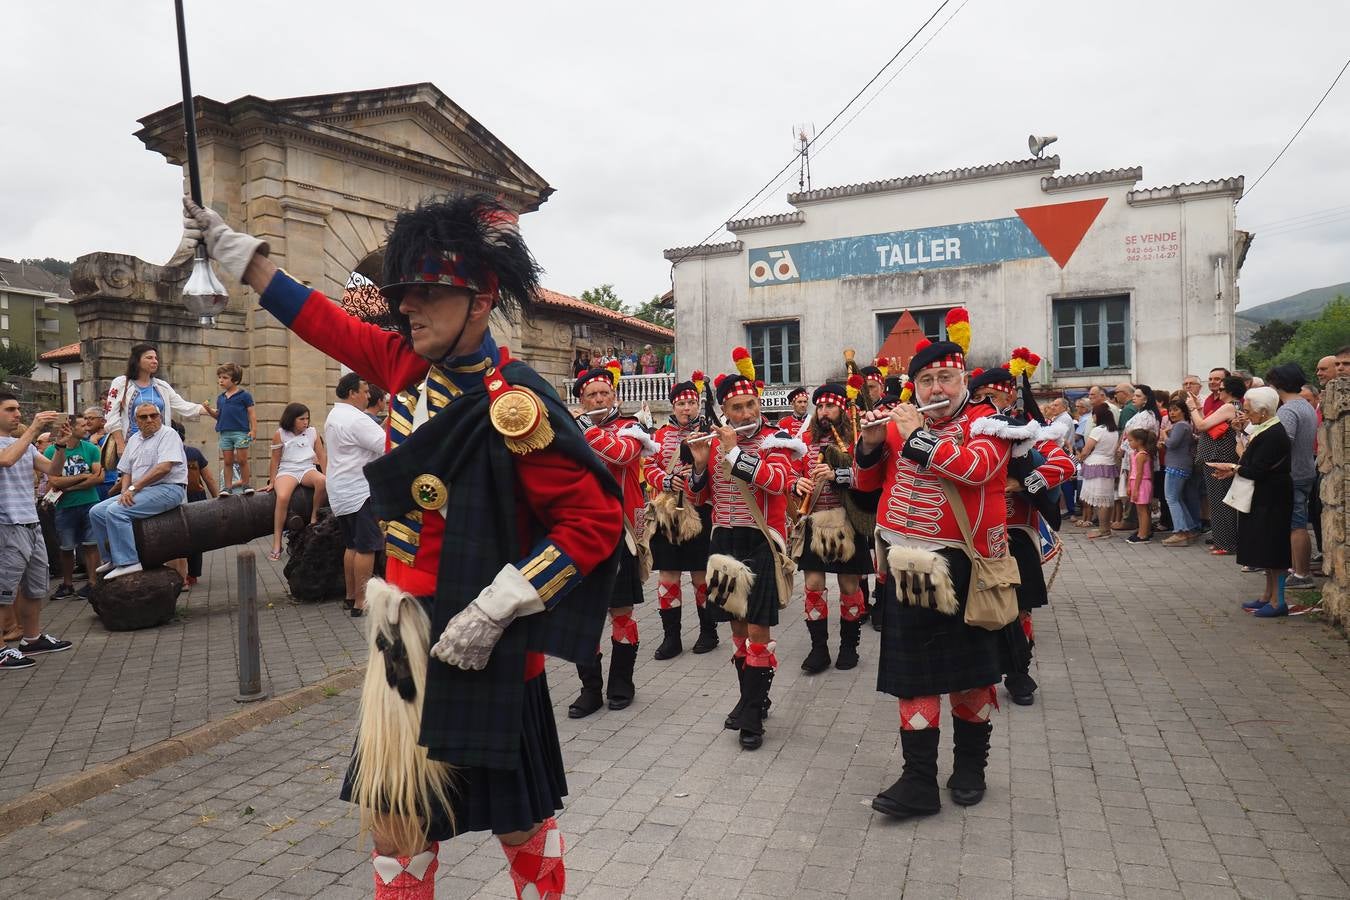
[(1334, 463)]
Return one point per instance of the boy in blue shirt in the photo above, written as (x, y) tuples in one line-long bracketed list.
[(236, 422)]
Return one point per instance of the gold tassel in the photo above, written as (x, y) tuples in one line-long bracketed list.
[(538, 439)]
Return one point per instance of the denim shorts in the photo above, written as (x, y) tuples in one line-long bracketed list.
[(235, 440), (1302, 491), (72, 525)]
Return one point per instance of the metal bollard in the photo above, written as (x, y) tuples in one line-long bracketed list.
[(250, 652)]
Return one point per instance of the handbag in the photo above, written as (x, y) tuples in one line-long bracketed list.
[(785, 568), (991, 596), (1240, 493)]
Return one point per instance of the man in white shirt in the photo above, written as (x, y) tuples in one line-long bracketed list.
[(353, 439)]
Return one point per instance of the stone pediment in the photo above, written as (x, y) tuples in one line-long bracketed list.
[(410, 127)]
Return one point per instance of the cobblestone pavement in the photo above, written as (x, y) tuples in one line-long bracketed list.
[(1178, 748), (116, 692)]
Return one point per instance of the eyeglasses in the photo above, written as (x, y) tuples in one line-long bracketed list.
[(146, 417), (946, 378)]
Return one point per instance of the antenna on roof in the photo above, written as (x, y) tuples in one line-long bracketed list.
[(804, 155)]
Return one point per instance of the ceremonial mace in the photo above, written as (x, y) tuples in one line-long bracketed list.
[(203, 294)]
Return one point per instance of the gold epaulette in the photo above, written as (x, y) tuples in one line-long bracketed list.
[(517, 414)]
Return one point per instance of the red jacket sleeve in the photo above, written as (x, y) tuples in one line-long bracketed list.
[(616, 449), (584, 522), (1058, 466), (381, 357), (653, 470)]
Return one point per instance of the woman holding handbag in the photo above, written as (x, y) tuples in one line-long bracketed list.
[(1218, 444), (1263, 528)]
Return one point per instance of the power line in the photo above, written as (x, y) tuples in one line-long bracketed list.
[(789, 164), (1249, 190), (1315, 214)]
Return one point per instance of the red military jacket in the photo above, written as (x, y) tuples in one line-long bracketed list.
[(910, 475), (767, 462), (622, 444), (791, 424), (1058, 468), (661, 467)]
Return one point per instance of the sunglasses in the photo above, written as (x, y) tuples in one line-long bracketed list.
[(146, 417)]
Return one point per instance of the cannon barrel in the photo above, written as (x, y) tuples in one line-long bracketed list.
[(212, 524)]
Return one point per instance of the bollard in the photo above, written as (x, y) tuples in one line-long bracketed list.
[(250, 651)]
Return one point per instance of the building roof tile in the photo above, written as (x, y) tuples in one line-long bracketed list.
[(970, 173), (554, 300), (792, 218), (68, 353), (679, 254), (32, 279), (1083, 179), (1189, 190)]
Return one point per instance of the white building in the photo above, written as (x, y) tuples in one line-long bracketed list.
[(1105, 281)]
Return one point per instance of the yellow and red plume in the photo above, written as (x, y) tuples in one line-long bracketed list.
[(698, 379), (1023, 360), (958, 328), (744, 364), (614, 372), (907, 391), (853, 387), (883, 364)]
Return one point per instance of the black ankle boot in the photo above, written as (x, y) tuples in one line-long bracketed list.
[(733, 719), (621, 659), (755, 694), (916, 792), (970, 752), (592, 690), (849, 634), (818, 660), (1021, 687), (671, 645), (707, 630)]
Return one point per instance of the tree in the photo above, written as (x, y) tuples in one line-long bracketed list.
[(58, 267), (1315, 338), (1265, 344), (18, 361), (652, 311), (604, 296)]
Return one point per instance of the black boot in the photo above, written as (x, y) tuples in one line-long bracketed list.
[(733, 719), (592, 690), (755, 694), (621, 659), (818, 660), (849, 634), (916, 792), (970, 752), (878, 605), (707, 630), (671, 645), (1021, 687)]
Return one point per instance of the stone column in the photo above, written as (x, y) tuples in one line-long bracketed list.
[(1333, 462)]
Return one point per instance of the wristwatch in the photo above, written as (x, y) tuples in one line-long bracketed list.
[(131, 489)]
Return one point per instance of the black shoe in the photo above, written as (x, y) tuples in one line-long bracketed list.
[(755, 693), (733, 719), (349, 603), (818, 660), (13, 659), (592, 690), (915, 793), (970, 753), (64, 592), (1021, 688), (849, 635), (621, 660), (707, 630), (85, 592), (43, 643), (671, 645), (357, 613)]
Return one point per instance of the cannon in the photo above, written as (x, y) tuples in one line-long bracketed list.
[(149, 598)]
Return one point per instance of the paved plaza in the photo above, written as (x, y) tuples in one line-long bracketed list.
[(1178, 748)]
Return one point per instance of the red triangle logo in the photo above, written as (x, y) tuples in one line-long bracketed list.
[(1060, 227)]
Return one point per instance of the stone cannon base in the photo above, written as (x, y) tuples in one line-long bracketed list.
[(141, 600)]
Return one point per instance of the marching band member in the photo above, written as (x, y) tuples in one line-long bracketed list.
[(679, 529), (800, 401)]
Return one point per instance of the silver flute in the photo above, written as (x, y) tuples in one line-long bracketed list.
[(747, 428), (596, 416), (926, 408)]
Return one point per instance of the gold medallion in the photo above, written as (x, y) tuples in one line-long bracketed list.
[(515, 414), (429, 492)]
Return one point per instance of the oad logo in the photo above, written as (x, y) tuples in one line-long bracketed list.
[(777, 267)]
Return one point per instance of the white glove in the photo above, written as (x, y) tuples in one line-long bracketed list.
[(469, 637), (232, 250)]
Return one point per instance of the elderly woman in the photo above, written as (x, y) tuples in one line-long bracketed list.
[(1263, 531), (1217, 442), (140, 384), (153, 473)]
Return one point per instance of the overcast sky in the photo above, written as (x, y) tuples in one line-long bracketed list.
[(655, 122)]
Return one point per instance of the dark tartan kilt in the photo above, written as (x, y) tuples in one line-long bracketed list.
[(505, 800), (627, 588), (691, 556), (1014, 650), (859, 564), (924, 652), (1031, 593), (749, 545)]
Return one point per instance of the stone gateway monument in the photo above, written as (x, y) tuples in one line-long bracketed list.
[(318, 178)]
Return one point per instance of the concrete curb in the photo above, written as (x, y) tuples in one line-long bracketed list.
[(36, 806)]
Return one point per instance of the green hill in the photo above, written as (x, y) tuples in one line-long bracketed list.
[(1297, 307)]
